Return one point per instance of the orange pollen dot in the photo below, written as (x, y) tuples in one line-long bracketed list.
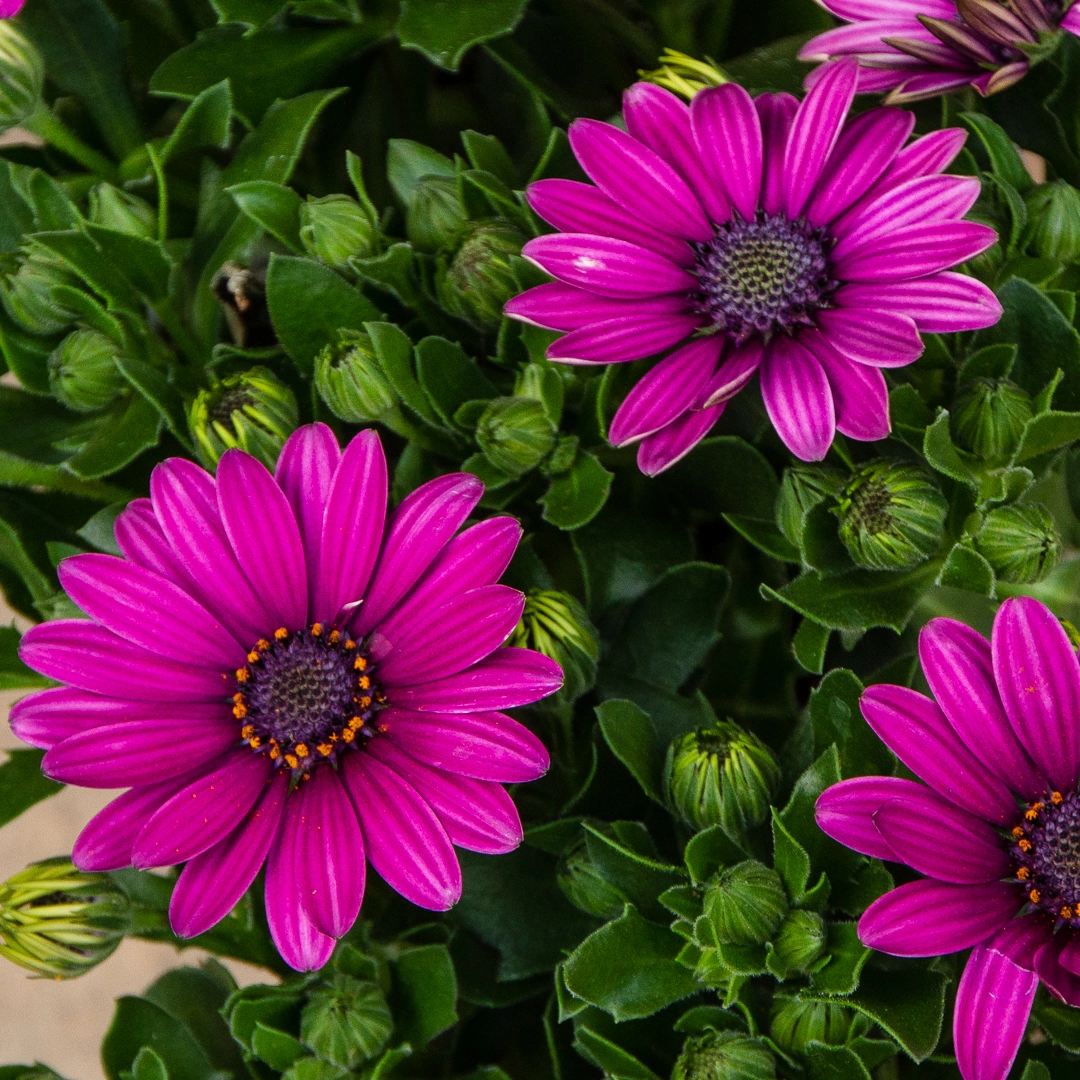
[(348, 734), (350, 644), (281, 633), (356, 722), (247, 731), (316, 629), (290, 760), (384, 727), (301, 750), (364, 702), (1034, 895), (262, 644), (1066, 912), (335, 636), (1057, 798), (275, 753), (360, 663), (1017, 832), (1025, 845), (1023, 873), (1033, 812), (255, 742), (239, 710), (242, 674), (238, 697), (324, 748), (253, 658), (364, 682)]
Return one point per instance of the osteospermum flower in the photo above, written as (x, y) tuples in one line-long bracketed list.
[(282, 674), (755, 235), (995, 826), (917, 49)]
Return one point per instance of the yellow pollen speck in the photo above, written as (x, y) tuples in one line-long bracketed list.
[(1023, 873), (253, 658), (324, 748), (247, 731), (350, 644), (275, 753), (1017, 832), (301, 750), (290, 760), (242, 674), (239, 710), (335, 636), (1034, 895), (316, 629), (262, 644), (1057, 798), (1025, 845), (255, 742)]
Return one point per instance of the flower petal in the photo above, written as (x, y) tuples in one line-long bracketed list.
[(860, 393), (846, 811), (941, 304), (735, 371), (776, 113), (628, 337), (671, 444), (140, 538), (798, 399), (727, 132), (1038, 677), (880, 338), (917, 252), (50, 716), (1059, 980), (557, 306), (934, 918), (930, 154)]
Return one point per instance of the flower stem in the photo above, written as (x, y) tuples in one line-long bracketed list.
[(53, 131)]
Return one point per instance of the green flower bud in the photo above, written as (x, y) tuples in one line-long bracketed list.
[(335, 228), (555, 624), (58, 922), (515, 434), (436, 215), (585, 887), (892, 516), (22, 76), (802, 488), (720, 775), (28, 293), (253, 411), (1054, 211), (116, 209), (795, 1023), (746, 905), (724, 1055), (801, 940), (82, 371), (1021, 543), (346, 1021), (350, 380), (989, 416), (683, 74), (478, 280)]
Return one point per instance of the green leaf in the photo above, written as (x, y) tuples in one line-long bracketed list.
[(625, 856), (309, 303), (809, 645), (22, 783), (628, 968), (271, 1006), (835, 718), (789, 859), (16, 215), (632, 738), (606, 1055), (765, 536), (1060, 1021), (1035, 1070), (444, 30), (277, 1048), (87, 260), (408, 162), (709, 851), (834, 1063), (426, 994), (941, 452), (137, 1023), (574, 498), (14, 674), (776, 67), (147, 1066), (487, 153), (992, 362), (206, 123), (1048, 431), (154, 385), (966, 569), (1004, 160), (273, 207), (132, 426), (449, 377), (846, 957), (908, 1003), (726, 475), (142, 261)]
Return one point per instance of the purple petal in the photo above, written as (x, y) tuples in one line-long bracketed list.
[(422, 646), (140, 538), (564, 307), (846, 811), (936, 838), (264, 535), (933, 918), (959, 668), (574, 207), (638, 179), (1069, 958), (50, 716), (661, 121), (932, 153), (88, 656), (728, 136), (1038, 677), (941, 304), (504, 680), (1071, 20), (733, 374), (860, 393), (857, 10), (302, 947), (203, 813), (352, 526), (798, 399), (213, 883), (867, 146), (148, 610), (1059, 980), (776, 112), (628, 337), (330, 866), (924, 87), (417, 531), (143, 751), (864, 36), (917, 252), (814, 133), (487, 746), (666, 392), (916, 731), (671, 444), (407, 845), (880, 338), (609, 267), (305, 472), (993, 1003)]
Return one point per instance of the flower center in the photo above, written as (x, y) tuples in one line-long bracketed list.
[(305, 697), (763, 276), (1047, 852)]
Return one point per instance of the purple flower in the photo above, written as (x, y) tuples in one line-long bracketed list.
[(994, 827), (918, 49), (283, 674), (755, 235)]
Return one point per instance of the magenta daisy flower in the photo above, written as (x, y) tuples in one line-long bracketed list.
[(994, 826), (284, 675), (755, 236), (917, 49)]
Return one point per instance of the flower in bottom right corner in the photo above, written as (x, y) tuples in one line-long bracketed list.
[(994, 826)]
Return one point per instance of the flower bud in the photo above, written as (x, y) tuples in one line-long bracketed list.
[(1054, 213), (27, 294), (479, 279), (555, 624), (22, 76), (683, 74), (585, 887), (802, 488), (335, 228), (82, 371), (515, 434), (800, 940), (796, 1023), (746, 905), (892, 516), (989, 416), (724, 1055), (720, 775), (350, 380), (253, 411), (436, 215), (1021, 543), (58, 922), (116, 209)]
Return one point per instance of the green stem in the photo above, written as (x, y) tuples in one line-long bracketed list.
[(45, 124)]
